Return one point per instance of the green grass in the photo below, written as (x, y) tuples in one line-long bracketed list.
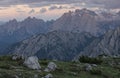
[(9, 69)]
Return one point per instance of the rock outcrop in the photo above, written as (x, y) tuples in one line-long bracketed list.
[(88, 67), (32, 63)]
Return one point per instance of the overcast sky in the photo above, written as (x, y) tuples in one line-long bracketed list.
[(50, 9)]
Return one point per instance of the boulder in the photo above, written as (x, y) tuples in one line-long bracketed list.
[(32, 63), (88, 67), (48, 76), (35, 76), (15, 76), (51, 67), (94, 65), (15, 57)]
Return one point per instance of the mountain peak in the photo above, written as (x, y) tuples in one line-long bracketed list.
[(28, 18), (31, 19), (86, 11), (13, 21)]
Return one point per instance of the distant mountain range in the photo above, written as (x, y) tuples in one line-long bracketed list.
[(83, 32), (14, 31)]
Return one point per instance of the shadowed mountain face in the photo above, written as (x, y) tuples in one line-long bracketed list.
[(54, 45), (14, 31), (108, 45), (1, 22)]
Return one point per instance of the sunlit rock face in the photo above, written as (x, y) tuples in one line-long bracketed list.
[(86, 20)]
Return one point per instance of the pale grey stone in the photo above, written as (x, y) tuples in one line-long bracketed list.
[(32, 63)]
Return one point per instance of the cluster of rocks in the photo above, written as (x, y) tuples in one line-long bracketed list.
[(89, 67), (32, 62)]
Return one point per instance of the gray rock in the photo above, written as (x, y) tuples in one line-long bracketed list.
[(32, 63), (48, 76), (35, 76), (88, 67), (15, 57), (16, 76), (51, 67), (74, 73), (94, 65)]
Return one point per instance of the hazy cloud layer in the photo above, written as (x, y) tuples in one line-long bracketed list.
[(31, 11), (43, 10), (59, 7), (109, 4)]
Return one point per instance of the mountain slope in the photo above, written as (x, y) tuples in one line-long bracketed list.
[(54, 45), (107, 45)]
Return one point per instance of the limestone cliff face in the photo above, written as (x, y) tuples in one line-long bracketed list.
[(54, 45)]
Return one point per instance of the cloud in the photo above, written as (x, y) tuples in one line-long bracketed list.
[(31, 11), (60, 7), (108, 4), (3, 8), (43, 10), (53, 7), (20, 11)]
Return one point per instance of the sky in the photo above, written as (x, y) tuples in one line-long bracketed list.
[(50, 9)]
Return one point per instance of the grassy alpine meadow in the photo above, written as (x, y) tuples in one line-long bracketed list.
[(109, 68)]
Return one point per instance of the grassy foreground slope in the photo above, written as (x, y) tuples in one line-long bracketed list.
[(110, 68)]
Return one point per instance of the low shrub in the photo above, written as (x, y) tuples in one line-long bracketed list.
[(4, 66), (44, 62), (96, 72), (5, 58), (85, 59)]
